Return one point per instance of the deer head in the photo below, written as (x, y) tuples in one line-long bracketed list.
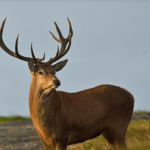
[(44, 72)]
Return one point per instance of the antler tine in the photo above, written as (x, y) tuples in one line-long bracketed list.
[(54, 37), (32, 53), (16, 45), (2, 44), (36, 60), (70, 28), (63, 41), (2, 27), (16, 54), (59, 32), (41, 59)]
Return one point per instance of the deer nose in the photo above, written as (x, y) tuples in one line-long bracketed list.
[(57, 82)]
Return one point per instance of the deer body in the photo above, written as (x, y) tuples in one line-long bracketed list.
[(62, 118)]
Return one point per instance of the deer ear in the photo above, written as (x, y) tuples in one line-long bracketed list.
[(32, 66), (59, 65)]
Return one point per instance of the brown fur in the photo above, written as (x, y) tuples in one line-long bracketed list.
[(62, 118)]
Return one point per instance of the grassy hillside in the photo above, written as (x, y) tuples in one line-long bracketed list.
[(141, 112), (13, 118)]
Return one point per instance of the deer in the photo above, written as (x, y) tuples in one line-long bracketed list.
[(62, 118)]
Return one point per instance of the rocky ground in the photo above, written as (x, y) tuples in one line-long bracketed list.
[(21, 135)]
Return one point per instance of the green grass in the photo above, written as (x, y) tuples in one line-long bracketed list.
[(137, 138), (141, 112), (138, 135), (13, 118)]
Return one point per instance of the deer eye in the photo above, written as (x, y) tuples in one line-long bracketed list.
[(40, 73)]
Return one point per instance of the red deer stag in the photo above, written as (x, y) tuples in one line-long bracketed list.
[(62, 118)]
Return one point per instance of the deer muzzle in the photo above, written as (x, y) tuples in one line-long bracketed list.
[(56, 82)]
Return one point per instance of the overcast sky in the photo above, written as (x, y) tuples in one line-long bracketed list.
[(110, 45)]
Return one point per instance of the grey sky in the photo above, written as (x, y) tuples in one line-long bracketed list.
[(110, 45)]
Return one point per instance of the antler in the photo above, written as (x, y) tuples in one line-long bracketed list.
[(64, 41), (16, 54)]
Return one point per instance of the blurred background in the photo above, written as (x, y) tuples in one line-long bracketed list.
[(110, 45)]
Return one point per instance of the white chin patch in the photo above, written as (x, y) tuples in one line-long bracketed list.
[(54, 86)]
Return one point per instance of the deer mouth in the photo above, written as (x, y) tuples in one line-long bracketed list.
[(52, 86)]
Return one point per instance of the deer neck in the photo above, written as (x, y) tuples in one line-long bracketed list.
[(41, 101), (44, 108)]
